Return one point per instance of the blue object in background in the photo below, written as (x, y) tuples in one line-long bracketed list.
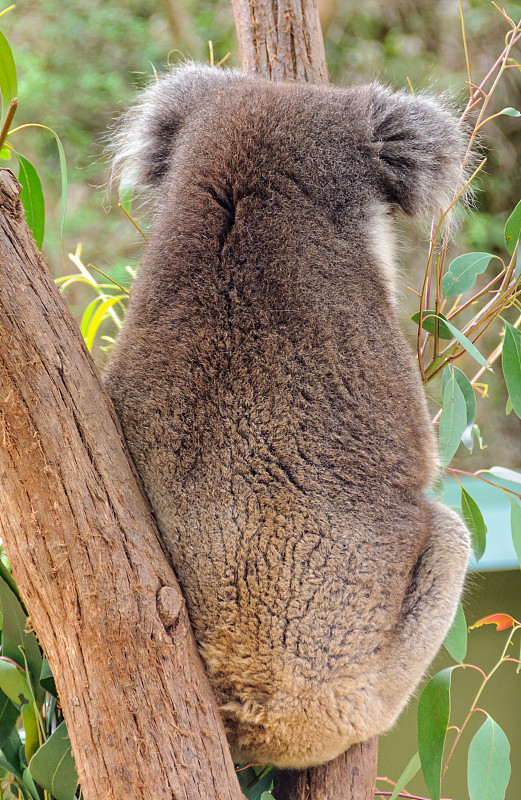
[(495, 507)]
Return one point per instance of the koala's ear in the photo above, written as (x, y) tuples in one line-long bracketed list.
[(142, 143), (420, 149)]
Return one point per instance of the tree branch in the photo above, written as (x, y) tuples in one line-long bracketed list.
[(87, 558)]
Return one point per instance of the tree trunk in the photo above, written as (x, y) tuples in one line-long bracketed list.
[(87, 558), (282, 40), (351, 776)]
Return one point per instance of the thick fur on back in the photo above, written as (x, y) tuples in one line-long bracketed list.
[(272, 405)]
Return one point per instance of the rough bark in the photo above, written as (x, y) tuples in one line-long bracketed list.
[(282, 40), (87, 558), (352, 776)]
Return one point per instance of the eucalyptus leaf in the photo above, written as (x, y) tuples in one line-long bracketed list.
[(463, 271), (510, 112), (8, 80), (456, 639), (505, 474), (433, 721), (488, 763), (475, 523), (31, 196), (9, 714), (513, 228), (453, 421), (13, 682), (511, 364), (408, 774), (468, 345), (53, 768), (429, 323), (466, 387), (16, 638)]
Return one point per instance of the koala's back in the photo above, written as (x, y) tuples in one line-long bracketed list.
[(275, 415)]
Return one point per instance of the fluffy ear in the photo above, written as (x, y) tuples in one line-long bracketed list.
[(420, 148), (141, 146)]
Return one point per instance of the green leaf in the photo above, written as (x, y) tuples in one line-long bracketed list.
[(513, 228), (5, 153), (16, 638), (97, 318), (408, 774), (8, 81), (13, 682), (429, 322), (511, 363), (9, 714), (469, 347), (266, 796), (505, 474), (53, 768), (11, 750), (463, 271), (510, 112), (29, 784), (453, 421), (433, 720), (466, 387), (489, 763), (47, 679), (456, 639), (255, 782), (475, 523), (515, 526), (32, 198), (32, 741)]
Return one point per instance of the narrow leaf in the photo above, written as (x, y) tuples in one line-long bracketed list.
[(467, 437), (515, 526), (31, 196), (511, 363), (15, 637), (475, 523), (8, 717), (407, 775), (489, 763), (501, 621), (53, 768), (453, 421), (513, 228), (463, 271), (13, 682), (8, 81), (429, 323), (510, 112), (469, 347), (456, 639), (433, 720), (32, 742), (505, 474)]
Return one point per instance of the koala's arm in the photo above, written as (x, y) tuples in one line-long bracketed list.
[(420, 147)]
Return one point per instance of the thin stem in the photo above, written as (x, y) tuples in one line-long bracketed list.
[(467, 62), (474, 704), (8, 121), (134, 223)]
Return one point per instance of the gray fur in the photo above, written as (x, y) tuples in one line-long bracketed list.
[(273, 407)]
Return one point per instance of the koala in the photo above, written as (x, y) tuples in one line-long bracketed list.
[(272, 405)]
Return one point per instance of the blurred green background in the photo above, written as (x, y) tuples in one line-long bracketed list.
[(80, 65)]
